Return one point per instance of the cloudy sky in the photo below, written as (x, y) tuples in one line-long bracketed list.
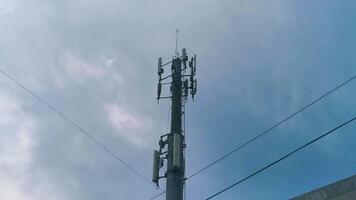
[(95, 61)]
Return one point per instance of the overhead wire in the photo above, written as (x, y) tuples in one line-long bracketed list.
[(281, 159), (271, 128), (163, 192), (266, 131), (79, 128), (158, 195)]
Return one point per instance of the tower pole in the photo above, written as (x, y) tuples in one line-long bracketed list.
[(175, 167), (172, 145)]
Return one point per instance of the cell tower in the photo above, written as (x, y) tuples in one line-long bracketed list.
[(172, 145)]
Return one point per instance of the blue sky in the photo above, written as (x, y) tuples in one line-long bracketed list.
[(95, 61)]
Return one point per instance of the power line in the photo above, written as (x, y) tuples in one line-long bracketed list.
[(281, 159), (270, 129), (266, 131), (77, 127), (163, 192), (158, 195)]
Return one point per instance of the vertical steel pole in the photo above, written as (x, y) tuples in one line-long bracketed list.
[(175, 168)]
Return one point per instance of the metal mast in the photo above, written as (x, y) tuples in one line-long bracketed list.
[(172, 145)]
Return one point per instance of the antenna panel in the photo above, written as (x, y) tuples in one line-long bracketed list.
[(195, 63), (159, 90), (177, 146), (155, 171), (160, 69), (184, 55), (186, 88)]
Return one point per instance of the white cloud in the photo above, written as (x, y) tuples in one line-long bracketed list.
[(80, 70), (127, 125), (10, 191), (6, 8), (18, 129), (19, 132), (16, 144), (109, 62)]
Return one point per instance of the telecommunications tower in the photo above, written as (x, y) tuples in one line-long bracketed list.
[(181, 82)]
